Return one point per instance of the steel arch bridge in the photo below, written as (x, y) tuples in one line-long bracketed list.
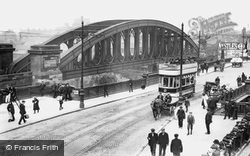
[(120, 44)]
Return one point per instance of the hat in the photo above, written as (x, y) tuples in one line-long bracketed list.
[(216, 141), (176, 135)]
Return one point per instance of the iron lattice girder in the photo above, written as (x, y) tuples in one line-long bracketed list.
[(74, 33)]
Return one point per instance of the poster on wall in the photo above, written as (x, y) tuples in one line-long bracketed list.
[(50, 62)]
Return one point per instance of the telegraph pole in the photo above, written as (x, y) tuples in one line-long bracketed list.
[(81, 92), (182, 34)]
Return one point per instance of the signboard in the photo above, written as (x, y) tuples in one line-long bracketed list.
[(231, 45), (219, 24), (50, 62)]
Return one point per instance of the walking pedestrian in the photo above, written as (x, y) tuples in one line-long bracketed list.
[(130, 84), (208, 121), (163, 141), (36, 107), (181, 116), (190, 122), (68, 91), (204, 100), (7, 93), (152, 141), (22, 112), (239, 81), (243, 77), (105, 89), (206, 67), (227, 109), (60, 98), (11, 111), (54, 89), (42, 86), (187, 104), (235, 110), (176, 146)]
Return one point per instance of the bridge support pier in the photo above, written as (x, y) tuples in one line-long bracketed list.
[(247, 85), (44, 62)]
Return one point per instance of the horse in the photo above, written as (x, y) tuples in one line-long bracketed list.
[(156, 108)]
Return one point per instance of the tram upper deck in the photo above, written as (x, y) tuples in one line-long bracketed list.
[(174, 69)]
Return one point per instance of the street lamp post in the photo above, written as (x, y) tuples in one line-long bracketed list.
[(81, 91), (243, 36), (198, 54), (182, 35)]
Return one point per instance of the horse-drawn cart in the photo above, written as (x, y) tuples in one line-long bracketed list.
[(219, 65), (159, 107)]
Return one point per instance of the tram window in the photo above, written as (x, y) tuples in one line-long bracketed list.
[(171, 82), (177, 80), (192, 79), (188, 80), (174, 82), (165, 82), (183, 82)]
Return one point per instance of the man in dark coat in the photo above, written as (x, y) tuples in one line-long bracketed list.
[(190, 122), (187, 104), (208, 120), (36, 107), (243, 77), (217, 80), (176, 146), (181, 116), (105, 89), (54, 89), (235, 110), (163, 141), (168, 98), (227, 108), (152, 141), (22, 112), (11, 110), (130, 84), (68, 91), (42, 87)]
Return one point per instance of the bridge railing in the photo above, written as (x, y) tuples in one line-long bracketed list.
[(90, 92)]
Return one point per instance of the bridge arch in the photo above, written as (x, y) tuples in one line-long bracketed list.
[(153, 40)]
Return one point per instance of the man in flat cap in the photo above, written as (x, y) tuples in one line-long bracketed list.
[(152, 141), (163, 141), (181, 116)]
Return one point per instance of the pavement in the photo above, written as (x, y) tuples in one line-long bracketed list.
[(49, 108)]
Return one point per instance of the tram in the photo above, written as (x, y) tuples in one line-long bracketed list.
[(169, 79)]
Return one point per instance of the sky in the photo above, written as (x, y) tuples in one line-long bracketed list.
[(50, 14)]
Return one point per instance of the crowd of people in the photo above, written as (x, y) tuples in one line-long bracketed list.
[(60, 92)]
